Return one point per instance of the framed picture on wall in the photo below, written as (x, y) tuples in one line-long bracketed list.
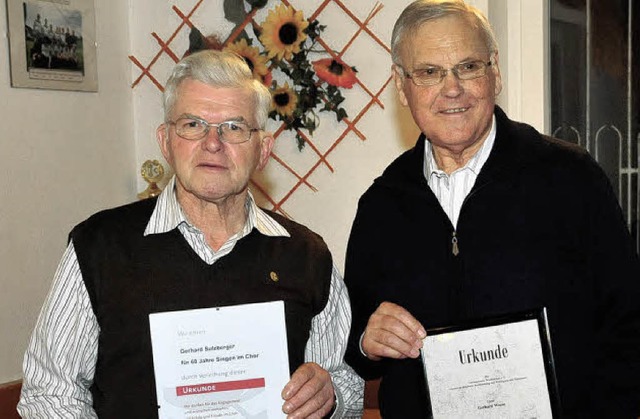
[(52, 44)]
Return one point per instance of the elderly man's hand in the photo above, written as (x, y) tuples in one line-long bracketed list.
[(309, 393), (392, 332)]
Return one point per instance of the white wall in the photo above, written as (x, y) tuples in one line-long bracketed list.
[(66, 155), (521, 27), (63, 156)]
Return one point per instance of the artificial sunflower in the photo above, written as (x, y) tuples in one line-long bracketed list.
[(256, 62), (284, 100), (335, 72), (283, 32)]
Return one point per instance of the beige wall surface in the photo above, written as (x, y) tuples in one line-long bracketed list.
[(65, 155)]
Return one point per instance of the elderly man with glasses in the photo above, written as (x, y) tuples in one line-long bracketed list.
[(487, 217), (202, 243)]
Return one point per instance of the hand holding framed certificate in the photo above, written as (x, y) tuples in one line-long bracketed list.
[(501, 367)]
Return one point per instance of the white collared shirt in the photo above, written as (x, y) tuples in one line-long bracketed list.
[(168, 215), (451, 190)]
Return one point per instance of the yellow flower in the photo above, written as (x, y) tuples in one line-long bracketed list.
[(284, 100), (283, 32), (257, 63)]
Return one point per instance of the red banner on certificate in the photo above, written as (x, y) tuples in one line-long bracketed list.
[(224, 386)]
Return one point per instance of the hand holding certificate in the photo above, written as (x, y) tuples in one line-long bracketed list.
[(495, 368), (220, 362)]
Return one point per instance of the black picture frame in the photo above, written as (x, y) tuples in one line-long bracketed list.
[(537, 314)]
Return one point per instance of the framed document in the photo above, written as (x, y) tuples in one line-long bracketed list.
[(499, 367), (221, 362)]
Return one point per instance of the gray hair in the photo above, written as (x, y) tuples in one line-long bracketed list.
[(218, 69), (422, 11)]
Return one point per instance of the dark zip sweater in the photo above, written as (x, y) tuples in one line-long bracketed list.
[(128, 276), (541, 227)]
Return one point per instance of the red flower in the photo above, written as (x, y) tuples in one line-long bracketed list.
[(267, 79), (335, 72)]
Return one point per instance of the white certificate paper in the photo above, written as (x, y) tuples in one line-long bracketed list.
[(488, 372), (223, 362)]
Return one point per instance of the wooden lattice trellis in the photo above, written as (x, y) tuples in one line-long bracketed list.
[(166, 47)]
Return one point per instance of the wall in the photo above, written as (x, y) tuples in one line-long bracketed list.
[(64, 155), (521, 27)]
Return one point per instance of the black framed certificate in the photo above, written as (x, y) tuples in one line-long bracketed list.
[(498, 367)]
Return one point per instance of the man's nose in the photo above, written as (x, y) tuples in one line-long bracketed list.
[(451, 84), (212, 140)]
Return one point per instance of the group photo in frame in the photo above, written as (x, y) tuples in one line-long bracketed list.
[(52, 44)]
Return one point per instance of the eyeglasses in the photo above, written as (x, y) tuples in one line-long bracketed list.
[(231, 132), (431, 76)]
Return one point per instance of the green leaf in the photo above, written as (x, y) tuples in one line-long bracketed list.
[(301, 142), (256, 3), (309, 124), (234, 11), (297, 123), (196, 40)]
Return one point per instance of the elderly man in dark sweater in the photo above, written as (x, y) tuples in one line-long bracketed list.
[(485, 216)]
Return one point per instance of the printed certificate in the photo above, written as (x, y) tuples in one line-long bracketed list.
[(223, 362), (493, 368)]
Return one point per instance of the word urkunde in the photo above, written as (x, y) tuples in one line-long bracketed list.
[(474, 356)]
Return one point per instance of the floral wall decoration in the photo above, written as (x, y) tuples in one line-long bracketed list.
[(299, 183), (282, 51)]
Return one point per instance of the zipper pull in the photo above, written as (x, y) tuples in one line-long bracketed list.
[(454, 245)]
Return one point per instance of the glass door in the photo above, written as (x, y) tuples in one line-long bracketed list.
[(595, 88)]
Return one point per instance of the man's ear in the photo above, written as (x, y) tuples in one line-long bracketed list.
[(399, 80), (495, 67), (266, 144), (162, 137)]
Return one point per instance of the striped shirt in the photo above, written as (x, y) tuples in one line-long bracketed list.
[(59, 363), (451, 190)]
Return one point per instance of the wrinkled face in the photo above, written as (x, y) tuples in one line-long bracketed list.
[(208, 169), (454, 114)]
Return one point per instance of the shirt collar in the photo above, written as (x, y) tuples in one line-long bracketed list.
[(168, 215), (474, 164)]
